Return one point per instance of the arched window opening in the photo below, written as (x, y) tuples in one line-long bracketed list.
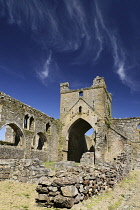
[(80, 109), (2, 133), (41, 142), (31, 126), (81, 93), (26, 120), (48, 128), (11, 135)]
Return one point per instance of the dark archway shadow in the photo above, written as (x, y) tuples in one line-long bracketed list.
[(41, 139), (77, 144)]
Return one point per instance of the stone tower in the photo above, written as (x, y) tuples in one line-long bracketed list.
[(81, 110)]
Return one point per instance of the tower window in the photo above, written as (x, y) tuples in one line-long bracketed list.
[(80, 109), (81, 93)]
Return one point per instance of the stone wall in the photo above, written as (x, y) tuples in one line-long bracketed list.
[(24, 170), (28, 131), (8, 152), (128, 127), (71, 184), (124, 133)]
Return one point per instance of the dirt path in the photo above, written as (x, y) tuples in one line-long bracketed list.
[(125, 196)]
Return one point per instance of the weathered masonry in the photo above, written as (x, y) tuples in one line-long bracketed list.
[(29, 132), (80, 111), (88, 108), (33, 134)]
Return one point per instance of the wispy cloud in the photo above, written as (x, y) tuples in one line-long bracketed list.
[(121, 62), (48, 70), (43, 74), (68, 26), (99, 38)]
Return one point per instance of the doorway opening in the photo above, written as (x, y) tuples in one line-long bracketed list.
[(79, 141)]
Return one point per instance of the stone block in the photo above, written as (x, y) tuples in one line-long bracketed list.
[(53, 189), (43, 197), (65, 181), (63, 202), (69, 191), (46, 181), (41, 189)]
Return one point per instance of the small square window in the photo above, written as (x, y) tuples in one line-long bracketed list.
[(81, 93)]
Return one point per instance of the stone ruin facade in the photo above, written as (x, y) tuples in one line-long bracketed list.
[(32, 134), (29, 132), (104, 157), (91, 107)]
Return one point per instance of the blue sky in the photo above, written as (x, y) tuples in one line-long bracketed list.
[(46, 42)]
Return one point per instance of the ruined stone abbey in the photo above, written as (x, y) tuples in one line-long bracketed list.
[(32, 134)]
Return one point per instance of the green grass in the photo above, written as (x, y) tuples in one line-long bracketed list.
[(130, 180), (26, 195), (50, 165), (115, 206), (98, 198), (25, 207)]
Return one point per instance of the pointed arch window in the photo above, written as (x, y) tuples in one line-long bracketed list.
[(48, 128), (26, 119), (31, 124)]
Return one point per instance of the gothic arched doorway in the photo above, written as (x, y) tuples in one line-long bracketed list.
[(77, 142)]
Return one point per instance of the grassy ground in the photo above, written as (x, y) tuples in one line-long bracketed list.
[(125, 196)]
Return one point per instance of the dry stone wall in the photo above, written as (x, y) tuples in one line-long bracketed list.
[(70, 183)]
